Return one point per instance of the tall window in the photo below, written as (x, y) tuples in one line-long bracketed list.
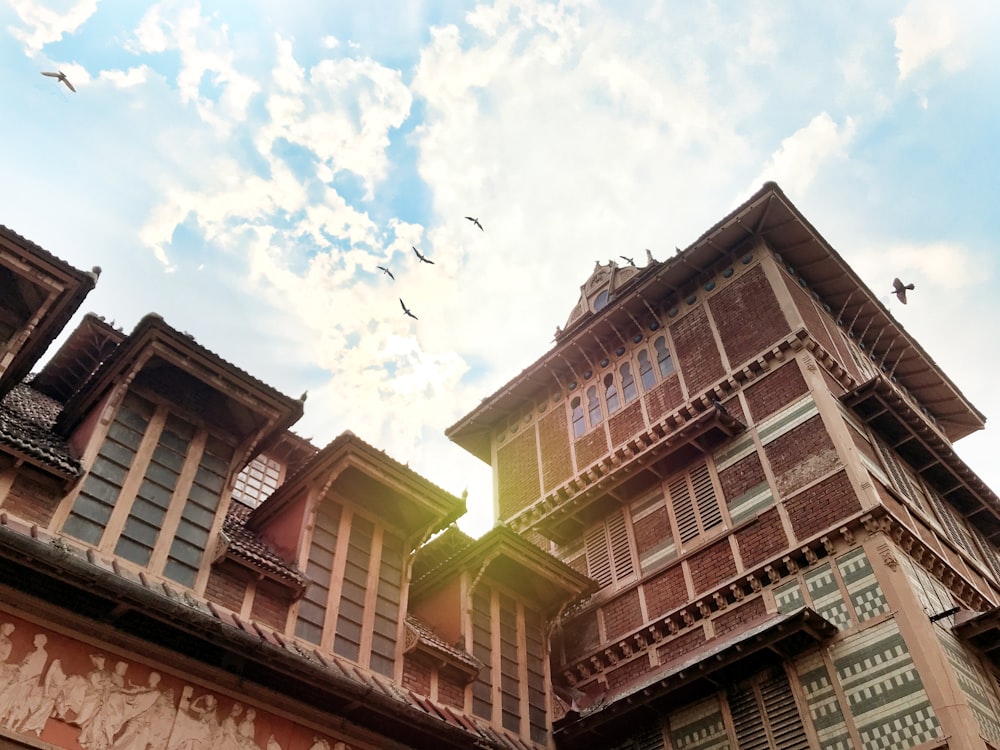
[(765, 714), (609, 551), (610, 393), (166, 525), (646, 374), (579, 425), (593, 406), (663, 359), (695, 503), (628, 382)]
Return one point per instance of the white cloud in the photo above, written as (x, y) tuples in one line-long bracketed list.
[(206, 61), (797, 161), (125, 79), (944, 265), (45, 25), (927, 31)]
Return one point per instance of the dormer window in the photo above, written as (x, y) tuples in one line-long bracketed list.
[(601, 301)]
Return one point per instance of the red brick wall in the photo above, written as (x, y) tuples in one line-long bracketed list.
[(451, 687), (835, 388), (748, 316), (270, 604), (762, 539), (33, 496), (227, 585), (553, 434), (801, 455), (780, 388), (822, 505), (517, 473), (628, 672), (740, 617), (591, 447), (664, 398), (681, 646), (820, 324), (651, 530), (626, 424), (735, 407), (698, 357), (864, 447), (622, 615), (743, 475), (712, 566), (417, 673), (665, 592)]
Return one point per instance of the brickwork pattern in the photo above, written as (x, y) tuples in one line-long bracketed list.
[(822, 505), (739, 617), (591, 447), (517, 474), (270, 604), (778, 389), (417, 673), (744, 475), (699, 727), (762, 539), (580, 635), (451, 687), (681, 646), (651, 530), (863, 587), (824, 708), (553, 436), (801, 455), (628, 672), (227, 585), (626, 424), (712, 566), (665, 592), (32, 497), (826, 596), (748, 316), (818, 323), (664, 398), (698, 357), (622, 615)]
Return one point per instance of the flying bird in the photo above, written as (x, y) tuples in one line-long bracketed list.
[(61, 77), (899, 289), (406, 310), (422, 258), (386, 271), (627, 260), (476, 222)]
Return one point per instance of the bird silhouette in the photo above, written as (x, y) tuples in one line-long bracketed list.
[(476, 222), (61, 77), (422, 258), (627, 260), (899, 289), (406, 310), (386, 271)]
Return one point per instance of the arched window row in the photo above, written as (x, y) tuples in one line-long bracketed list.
[(619, 386)]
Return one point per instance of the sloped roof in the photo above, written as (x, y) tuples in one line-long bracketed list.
[(249, 548), (767, 215), (26, 420), (168, 615)]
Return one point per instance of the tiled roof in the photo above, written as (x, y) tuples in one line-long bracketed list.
[(245, 545), (32, 542), (440, 550), (431, 640), (26, 419)]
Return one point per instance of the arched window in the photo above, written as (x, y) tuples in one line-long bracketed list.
[(663, 358), (628, 382), (593, 406), (610, 393), (579, 425), (602, 301), (646, 371)]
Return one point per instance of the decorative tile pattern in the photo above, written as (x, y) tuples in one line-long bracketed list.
[(884, 692), (751, 502), (824, 708), (826, 596), (862, 585), (975, 683), (788, 597), (699, 727)]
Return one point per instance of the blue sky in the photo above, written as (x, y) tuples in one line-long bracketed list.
[(242, 167)]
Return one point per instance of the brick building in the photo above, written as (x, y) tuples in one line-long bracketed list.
[(731, 516)]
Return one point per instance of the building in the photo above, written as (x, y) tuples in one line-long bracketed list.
[(730, 515)]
